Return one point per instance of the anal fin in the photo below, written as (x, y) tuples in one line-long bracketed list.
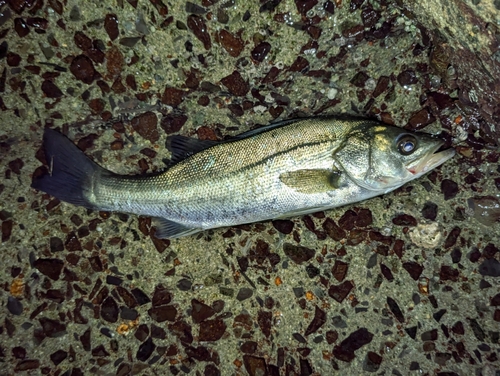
[(170, 229), (312, 181)]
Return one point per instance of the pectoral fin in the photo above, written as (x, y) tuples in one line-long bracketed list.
[(171, 229), (312, 181)]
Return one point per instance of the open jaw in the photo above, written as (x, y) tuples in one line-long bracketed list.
[(429, 161)]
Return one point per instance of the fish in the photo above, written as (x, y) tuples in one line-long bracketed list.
[(278, 171)]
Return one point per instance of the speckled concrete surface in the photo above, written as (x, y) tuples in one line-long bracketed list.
[(405, 284)]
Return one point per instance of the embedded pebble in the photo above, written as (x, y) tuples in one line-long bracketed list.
[(426, 235)]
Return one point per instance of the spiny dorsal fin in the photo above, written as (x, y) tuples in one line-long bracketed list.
[(182, 147), (312, 181)]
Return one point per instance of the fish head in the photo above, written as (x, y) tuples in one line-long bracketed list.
[(382, 157)]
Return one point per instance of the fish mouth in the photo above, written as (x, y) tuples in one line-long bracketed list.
[(429, 161)]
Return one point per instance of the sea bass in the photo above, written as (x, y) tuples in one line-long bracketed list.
[(282, 170)]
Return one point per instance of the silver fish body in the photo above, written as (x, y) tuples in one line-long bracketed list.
[(282, 170)]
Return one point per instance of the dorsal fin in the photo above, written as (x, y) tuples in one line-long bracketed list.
[(182, 147), (266, 128)]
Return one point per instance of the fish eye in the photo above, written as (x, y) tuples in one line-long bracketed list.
[(407, 144)]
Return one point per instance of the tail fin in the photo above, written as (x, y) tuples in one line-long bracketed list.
[(71, 172)]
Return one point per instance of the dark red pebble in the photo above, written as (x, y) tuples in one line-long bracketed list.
[(72, 243), (354, 32), (157, 332), (182, 331), (317, 322), (21, 27), (57, 6), (235, 109), (83, 69), (458, 328), (298, 254), (116, 145), (52, 328), (303, 6), (111, 26), (13, 59), (348, 220), (82, 41), (421, 119), (339, 270), (299, 65), (236, 84), (146, 125), (345, 350), (173, 123), (429, 211), (497, 183), (145, 350), (355, 4), (386, 272), (449, 189), (271, 75), (414, 269), (249, 347), (128, 297), (109, 310), (161, 296), (204, 100), (199, 353), (197, 25), (364, 218), (232, 43), (163, 313), (51, 90), (114, 62), (200, 311), (142, 332), (16, 165), (369, 16), (452, 237), (407, 77), (340, 292), (448, 273), (333, 230), (441, 100), (329, 7), (27, 364), (404, 220), (99, 351), (396, 311), (172, 96), (264, 320), (19, 352), (211, 330), (97, 105), (58, 356), (359, 79), (255, 365), (50, 267), (382, 84), (260, 51)]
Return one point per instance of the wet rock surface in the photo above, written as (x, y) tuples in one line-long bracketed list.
[(408, 281)]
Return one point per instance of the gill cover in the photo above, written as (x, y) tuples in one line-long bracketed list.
[(379, 157)]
